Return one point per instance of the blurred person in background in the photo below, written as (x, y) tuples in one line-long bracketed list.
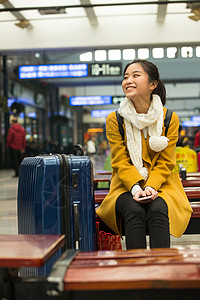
[(16, 143), (91, 149), (197, 139), (183, 139)]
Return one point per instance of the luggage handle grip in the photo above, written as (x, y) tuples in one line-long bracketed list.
[(76, 225)]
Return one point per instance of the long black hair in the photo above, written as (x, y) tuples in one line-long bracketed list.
[(153, 74)]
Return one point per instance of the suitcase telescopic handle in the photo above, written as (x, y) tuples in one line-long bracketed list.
[(76, 225)]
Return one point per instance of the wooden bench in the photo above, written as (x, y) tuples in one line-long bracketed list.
[(192, 194), (103, 172), (192, 174), (191, 181), (138, 274), (101, 178)]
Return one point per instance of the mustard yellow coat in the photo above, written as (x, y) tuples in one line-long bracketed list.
[(161, 177)]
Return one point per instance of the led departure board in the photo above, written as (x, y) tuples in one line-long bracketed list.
[(90, 100), (53, 71)]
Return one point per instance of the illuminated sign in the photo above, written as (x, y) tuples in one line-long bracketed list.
[(32, 115), (103, 113), (90, 100), (190, 123), (10, 102), (105, 69), (195, 118), (53, 71), (117, 99), (69, 70), (21, 115), (94, 130)]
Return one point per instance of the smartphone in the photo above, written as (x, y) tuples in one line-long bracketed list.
[(145, 198)]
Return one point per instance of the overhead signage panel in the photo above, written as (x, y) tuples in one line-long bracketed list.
[(105, 69), (53, 71), (70, 70), (117, 99), (195, 118), (90, 100), (190, 123), (103, 113)]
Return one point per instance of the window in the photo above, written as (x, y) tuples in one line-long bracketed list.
[(186, 51), (198, 51), (114, 54), (100, 55), (128, 54), (86, 56), (158, 52), (143, 53), (172, 52)]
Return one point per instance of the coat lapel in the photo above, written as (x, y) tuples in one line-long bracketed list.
[(145, 152)]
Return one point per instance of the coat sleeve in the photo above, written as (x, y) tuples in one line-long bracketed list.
[(120, 159), (166, 159)]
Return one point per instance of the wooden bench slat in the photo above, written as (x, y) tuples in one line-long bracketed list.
[(192, 193), (193, 182)]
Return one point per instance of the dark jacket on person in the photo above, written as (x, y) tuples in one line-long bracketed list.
[(16, 137)]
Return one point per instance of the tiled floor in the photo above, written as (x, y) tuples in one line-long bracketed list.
[(8, 211), (8, 202)]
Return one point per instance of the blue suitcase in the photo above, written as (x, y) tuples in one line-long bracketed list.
[(56, 196)]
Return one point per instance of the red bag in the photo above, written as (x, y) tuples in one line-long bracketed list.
[(108, 241)]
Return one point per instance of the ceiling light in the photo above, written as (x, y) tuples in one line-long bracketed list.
[(158, 52), (128, 54), (23, 24), (86, 56), (114, 54), (186, 51), (143, 53), (194, 18), (198, 51), (52, 11), (172, 52), (195, 9), (100, 55)]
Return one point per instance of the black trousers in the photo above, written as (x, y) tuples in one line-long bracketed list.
[(138, 218), (16, 158)]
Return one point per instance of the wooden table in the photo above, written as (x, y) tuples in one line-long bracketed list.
[(28, 250)]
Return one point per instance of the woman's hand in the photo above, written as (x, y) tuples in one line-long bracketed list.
[(151, 192), (139, 194), (147, 192)]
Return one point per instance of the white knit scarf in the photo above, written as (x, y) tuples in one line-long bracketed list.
[(135, 122)]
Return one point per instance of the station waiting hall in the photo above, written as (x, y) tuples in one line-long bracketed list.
[(64, 75)]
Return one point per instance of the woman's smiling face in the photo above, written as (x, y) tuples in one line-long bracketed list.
[(136, 82)]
